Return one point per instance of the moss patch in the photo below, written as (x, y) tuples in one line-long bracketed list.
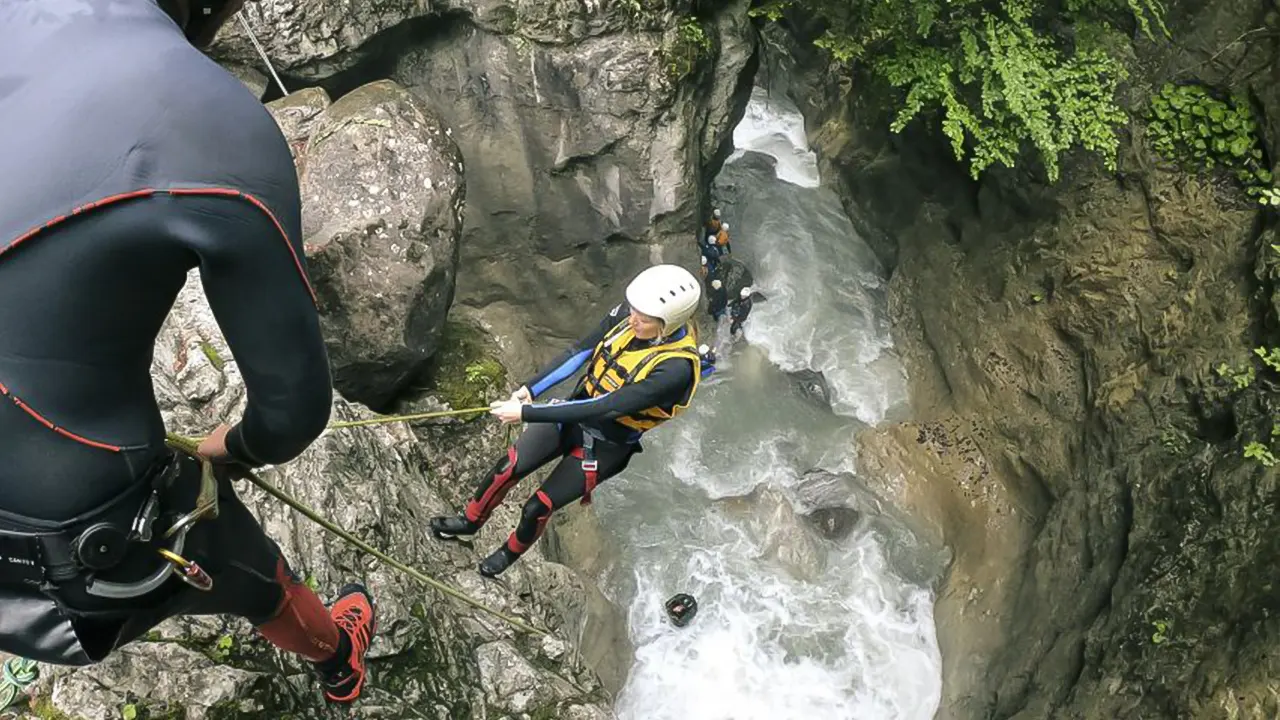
[(43, 708), (464, 371), (211, 353)]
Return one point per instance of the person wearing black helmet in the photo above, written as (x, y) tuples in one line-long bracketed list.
[(681, 608), (131, 158)]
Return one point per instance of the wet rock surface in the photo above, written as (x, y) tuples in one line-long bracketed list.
[(1072, 439)]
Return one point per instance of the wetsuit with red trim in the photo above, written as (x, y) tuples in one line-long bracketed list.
[(556, 432), (131, 159)]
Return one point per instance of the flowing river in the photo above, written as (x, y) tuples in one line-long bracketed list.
[(791, 624)]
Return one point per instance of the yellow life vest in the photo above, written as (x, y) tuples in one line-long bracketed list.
[(612, 366)]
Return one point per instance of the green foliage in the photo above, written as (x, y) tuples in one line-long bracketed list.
[(1174, 440), (1259, 452), (998, 79), (211, 353), (1241, 378), (1270, 357), (1161, 628), (222, 648), (688, 45), (1191, 127), (1270, 196), (464, 373)]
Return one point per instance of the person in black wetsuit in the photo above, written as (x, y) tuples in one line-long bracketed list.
[(131, 158), (642, 368), (718, 299), (740, 308)]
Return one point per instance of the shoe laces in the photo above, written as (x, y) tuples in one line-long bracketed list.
[(353, 622)]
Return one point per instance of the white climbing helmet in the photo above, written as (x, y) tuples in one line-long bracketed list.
[(716, 213), (667, 292), (746, 292), (724, 227), (716, 284), (703, 349)]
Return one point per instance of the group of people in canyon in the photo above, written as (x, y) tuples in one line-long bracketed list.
[(720, 271), (179, 167)]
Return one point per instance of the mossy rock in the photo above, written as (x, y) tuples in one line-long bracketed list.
[(44, 709), (465, 371)]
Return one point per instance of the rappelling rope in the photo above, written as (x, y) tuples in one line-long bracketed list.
[(189, 446), (384, 419), (244, 23), (19, 674)]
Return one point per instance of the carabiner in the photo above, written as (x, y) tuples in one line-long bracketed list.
[(188, 570)]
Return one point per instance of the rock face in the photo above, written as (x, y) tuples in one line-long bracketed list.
[(433, 657), (812, 385), (383, 193), (590, 130), (587, 152), (1076, 439), (313, 39)]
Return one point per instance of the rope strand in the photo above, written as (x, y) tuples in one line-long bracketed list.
[(189, 445)]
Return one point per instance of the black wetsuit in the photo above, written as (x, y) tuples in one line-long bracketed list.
[(556, 431), (738, 312), (717, 300), (130, 158)]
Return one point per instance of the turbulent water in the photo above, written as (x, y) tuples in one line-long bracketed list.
[(790, 625)]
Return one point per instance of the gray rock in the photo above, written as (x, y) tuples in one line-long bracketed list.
[(833, 523), (433, 657), (313, 39), (253, 79), (819, 488), (296, 114), (584, 158), (383, 197), (789, 540), (812, 385)]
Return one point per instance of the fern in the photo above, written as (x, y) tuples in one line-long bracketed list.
[(999, 82)]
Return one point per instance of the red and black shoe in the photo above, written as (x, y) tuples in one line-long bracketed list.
[(353, 612)]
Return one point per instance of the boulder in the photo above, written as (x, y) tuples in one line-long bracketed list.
[(383, 193)]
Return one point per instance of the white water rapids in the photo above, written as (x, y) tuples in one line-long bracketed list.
[(836, 634)]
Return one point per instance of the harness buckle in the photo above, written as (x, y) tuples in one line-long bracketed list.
[(590, 465)]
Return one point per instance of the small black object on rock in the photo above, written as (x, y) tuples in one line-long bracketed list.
[(681, 608)]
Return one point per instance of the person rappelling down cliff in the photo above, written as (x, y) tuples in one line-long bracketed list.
[(642, 369)]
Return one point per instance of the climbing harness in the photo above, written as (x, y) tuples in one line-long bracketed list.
[(19, 674), (104, 540), (190, 445), (44, 555), (590, 468)]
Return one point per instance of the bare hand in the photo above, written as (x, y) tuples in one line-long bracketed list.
[(214, 447), (522, 395), (508, 411)]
